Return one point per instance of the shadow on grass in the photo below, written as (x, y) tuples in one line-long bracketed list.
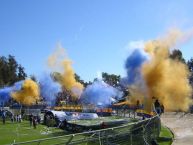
[(164, 139), (55, 134)]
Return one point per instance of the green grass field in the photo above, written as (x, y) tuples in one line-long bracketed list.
[(166, 136), (19, 132)]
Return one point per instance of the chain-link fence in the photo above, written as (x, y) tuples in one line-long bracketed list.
[(143, 132)]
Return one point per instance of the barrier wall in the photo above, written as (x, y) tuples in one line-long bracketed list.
[(139, 133)]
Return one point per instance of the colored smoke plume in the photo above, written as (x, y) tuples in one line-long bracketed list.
[(161, 77), (134, 80), (28, 94), (100, 94), (133, 67), (58, 61), (5, 93), (167, 79), (49, 89)]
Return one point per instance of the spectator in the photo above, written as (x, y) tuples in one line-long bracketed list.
[(30, 119), (162, 108), (157, 107), (137, 105), (19, 118), (3, 116), (12, 117), (34, 122), (38, 119), (103, 125)]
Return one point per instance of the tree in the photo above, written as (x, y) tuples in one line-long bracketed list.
[(10, 71), (177, 54), (21, 73), (111, 79), (78, 79), (190, 66), (4, 78)]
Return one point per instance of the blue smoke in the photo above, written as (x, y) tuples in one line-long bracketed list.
[(5, 93), (17, 86), (133, 65), (100, 94), (49, 89)]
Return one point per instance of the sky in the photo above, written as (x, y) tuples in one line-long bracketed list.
[(97, 34)]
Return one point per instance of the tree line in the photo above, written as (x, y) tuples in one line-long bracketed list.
[(10, 71)]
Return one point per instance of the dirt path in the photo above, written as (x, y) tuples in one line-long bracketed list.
[(181, 125)]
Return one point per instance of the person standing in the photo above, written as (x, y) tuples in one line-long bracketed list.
[(157, 107), (19, 118), (38, 119), (12, 117), (3, 116), (103, 125), (30, 119), (162, 108), (34, 122)]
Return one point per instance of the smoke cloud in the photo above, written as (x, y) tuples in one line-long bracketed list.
[(58, 61), (100, 93), (28, 94), (49, 89), (164, 78), (133, 67), (5, 93)]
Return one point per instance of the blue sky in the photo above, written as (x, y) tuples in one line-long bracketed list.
[(95, 33)]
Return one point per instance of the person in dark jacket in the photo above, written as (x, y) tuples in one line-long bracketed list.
[(34, 122), (162, 108), (103, 125), (30, 119), (3, 116), (157, 107)]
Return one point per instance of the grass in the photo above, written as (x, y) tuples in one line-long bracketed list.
[(19, 132), (166, 136)]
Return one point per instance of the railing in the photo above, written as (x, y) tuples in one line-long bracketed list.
[(139, 133)]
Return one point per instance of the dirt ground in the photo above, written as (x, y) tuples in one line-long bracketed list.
[(181, 125)]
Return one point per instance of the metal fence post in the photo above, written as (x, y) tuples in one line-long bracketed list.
[(99, 138), (131, 140), (39, 142), (70, 139)]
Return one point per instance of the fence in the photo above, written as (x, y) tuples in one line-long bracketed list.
[(139, 133)]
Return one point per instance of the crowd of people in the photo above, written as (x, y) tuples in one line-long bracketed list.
[(13, 118), (34, 120)]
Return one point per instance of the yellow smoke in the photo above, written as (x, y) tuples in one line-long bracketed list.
[(28, 94), (136, 94), (167, 79), (58, 61)]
